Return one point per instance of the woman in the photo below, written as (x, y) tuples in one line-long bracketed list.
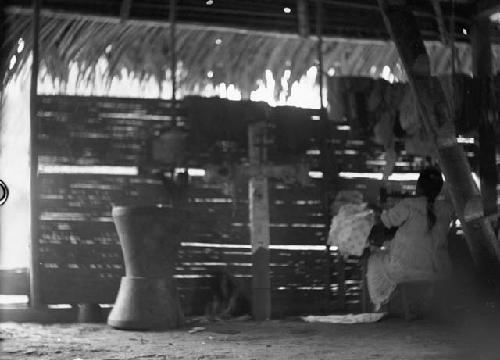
[(418, 250)]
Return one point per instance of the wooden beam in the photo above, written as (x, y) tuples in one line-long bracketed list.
[(418, 11), (486, 8), (125, 10), (439, 125), (35, 298), (482, 70), (59, 14)]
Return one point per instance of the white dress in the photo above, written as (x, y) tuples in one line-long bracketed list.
[(415, 253)]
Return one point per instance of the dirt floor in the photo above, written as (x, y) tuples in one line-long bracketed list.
[(276, 339)]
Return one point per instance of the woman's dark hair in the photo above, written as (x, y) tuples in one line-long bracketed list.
[(429, 184)]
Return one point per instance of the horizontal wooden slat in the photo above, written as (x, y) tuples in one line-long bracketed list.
[(198, 255), (83, 256), (283, 213)]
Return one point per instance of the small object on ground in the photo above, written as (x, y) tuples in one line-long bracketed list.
[(346, 319), (241, 318), (195, 320), (90, 313), (196, 329), (147, 356), (226, 331)]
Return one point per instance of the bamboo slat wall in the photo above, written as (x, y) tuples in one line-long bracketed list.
[(80, 256), (79, 249)]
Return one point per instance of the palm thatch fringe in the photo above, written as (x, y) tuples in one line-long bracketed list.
[(236, 57)]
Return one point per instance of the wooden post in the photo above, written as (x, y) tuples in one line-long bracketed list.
[(303, 18), (125, 10), (173, 59), (340, 267), (324, 151), (365, 301), (482, 70), (35, 300), (439, 125), (319, 34), (259, 223)]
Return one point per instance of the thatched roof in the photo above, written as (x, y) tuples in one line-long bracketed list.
[(234, 56), (343, 18)]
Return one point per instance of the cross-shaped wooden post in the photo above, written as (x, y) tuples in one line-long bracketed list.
[(258, 194), (259, 222)]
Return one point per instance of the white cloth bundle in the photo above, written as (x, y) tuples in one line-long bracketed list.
[(350, 229)]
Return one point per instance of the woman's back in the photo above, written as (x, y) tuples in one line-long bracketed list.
[(416, 252), (410, 255)]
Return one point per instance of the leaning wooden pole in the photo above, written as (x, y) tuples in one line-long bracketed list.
[(439, 124), (35, 300)]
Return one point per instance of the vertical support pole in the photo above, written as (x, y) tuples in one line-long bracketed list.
[(173, 59), (259, 223), (35, 300), (324, 148), (303, 18), (365, 301), (125, 10), (319, 34), (340, 267), (482, 71)]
